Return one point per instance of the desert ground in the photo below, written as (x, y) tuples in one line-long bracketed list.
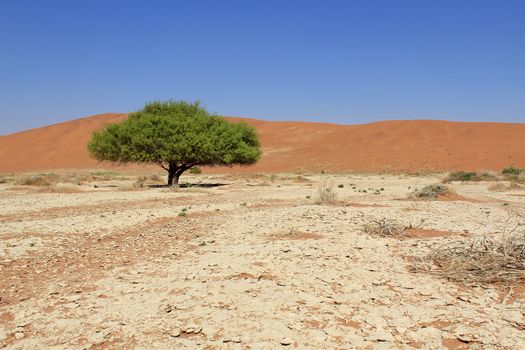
[(249, 262)]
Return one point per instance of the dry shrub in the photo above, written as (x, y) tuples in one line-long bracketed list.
[(3, 179), (480, 259), (140, 182), (384, 228), (71, 178), (58, 189), (514, 186), (155, 177), (500, 187), (295, 178), (430, 192), (37, 180), (326, 193), (520, 179), (301, 179)]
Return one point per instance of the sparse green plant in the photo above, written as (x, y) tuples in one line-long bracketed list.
[(510, 170), (513, 174), (195, 170), (430, 192), (340, 186), (465, 176), (183, 212), (244, 204), (308, 197), (325, 192)]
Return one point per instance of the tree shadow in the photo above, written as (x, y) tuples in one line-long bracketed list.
[(192, 185)]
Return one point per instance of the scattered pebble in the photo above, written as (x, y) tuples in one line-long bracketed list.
[(286, 341)]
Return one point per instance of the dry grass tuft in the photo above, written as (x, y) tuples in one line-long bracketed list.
[(500, 187), (38, 180), (59, 189), (326, 193), (478, 260), (156, 178), (140, 182), (384, 228), (520, 178), (51, 179), (430, 192)]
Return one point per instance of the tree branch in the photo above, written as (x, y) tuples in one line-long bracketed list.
[(159, 162)]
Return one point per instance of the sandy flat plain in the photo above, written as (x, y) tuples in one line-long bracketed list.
[(251, 264)]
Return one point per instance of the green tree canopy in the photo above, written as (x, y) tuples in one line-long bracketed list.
[(177, 136)]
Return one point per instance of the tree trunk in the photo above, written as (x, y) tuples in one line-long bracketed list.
[(171, 177), (174, 174), (178, 173)]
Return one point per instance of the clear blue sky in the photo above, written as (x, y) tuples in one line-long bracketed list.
[(335, 61)]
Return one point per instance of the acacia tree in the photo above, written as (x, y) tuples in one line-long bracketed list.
[(177, 136)]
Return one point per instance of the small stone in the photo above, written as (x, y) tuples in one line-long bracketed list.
[(464, 297), (286, 341), (318, 335), (192, 329), (19, 335), (175, 333), (426, 292), (378, 282), (336, 300), (401, 330), (465, 338), (236, 339), (381, 335)]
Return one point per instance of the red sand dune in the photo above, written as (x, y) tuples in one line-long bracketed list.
[(397, 146)]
